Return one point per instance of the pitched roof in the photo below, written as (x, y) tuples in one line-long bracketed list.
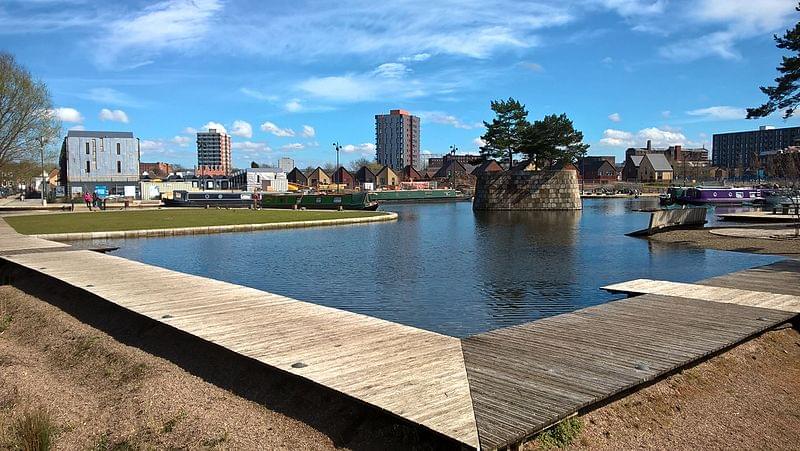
[(363, 172), (659, 162), (637, 160), (487, 166), (448, 166)]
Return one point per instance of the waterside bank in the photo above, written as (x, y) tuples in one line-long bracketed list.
[(705, 239)]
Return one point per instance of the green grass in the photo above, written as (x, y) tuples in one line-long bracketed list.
[(164, 219)]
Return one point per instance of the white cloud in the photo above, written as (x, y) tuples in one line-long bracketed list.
[(614, 117), (190, 130), (628, 8), (242, 128), (148, 145), (293, 106), (182, 141), (77, 128), (270, 127), (533, 67), (414, 58), (438, 117), (113, 115), (111, 96), (617, 138), (67, 114), (258, 95), (479, 142), (467, 28), (392, 70), (719, 113), (250, 147), (308, 131), (166, 25), (736, 20), (666, 114), (215, 125), (293, 146), (607, 61), (659, 137), (365, 148)]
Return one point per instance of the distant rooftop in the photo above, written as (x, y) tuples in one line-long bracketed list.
[(97, 134)]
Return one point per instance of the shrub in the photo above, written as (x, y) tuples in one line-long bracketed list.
[(33, 432), (560, 435)]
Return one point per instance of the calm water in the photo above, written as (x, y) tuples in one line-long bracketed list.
[(445, 268)]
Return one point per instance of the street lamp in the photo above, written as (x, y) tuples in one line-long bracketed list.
[(336, 147), (453, 150), (42, 142)]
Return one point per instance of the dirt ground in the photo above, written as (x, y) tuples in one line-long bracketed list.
[(103, 394), (747, 398), (701, 238)]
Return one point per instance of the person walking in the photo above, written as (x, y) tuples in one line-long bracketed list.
[(88, 199), (94, 199)]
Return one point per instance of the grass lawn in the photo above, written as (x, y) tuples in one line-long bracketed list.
[(164, 219)]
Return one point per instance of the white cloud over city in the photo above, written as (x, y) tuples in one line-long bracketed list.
[(113, 115)]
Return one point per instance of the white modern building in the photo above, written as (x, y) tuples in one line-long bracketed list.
[(98, 161), (260, 179), (286, 164)]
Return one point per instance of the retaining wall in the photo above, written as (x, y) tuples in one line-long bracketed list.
[(528, 190)]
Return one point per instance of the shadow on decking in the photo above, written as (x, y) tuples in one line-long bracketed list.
[(348, 422)]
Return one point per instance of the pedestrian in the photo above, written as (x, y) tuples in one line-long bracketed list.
[(88, 199), (94, 199)]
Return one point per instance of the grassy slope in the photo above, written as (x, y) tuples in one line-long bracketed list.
[(164, 219)]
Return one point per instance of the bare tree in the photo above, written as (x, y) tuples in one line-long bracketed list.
[(787, 166), (26, 113)]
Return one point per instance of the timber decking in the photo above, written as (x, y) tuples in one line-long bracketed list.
[(416, 374), (784, 302), (525, 378), (489, 390)]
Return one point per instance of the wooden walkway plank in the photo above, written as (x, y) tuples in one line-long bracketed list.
[(785, 302)]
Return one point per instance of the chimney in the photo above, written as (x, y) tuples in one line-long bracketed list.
[(678, 153), (649, 144)]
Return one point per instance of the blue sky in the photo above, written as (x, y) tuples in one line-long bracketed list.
[(288, 78)]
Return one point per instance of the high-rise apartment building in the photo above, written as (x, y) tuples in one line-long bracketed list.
[(286, 164), (397, 139), (213, 153), (738, 150)]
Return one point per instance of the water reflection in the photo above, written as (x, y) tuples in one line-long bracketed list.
[(444, 267)]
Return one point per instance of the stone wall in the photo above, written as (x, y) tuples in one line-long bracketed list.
[(528, 190)]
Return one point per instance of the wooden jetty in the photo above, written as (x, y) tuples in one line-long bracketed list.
[(487, 391)]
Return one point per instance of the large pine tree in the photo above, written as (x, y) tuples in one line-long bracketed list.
[(785, 95)]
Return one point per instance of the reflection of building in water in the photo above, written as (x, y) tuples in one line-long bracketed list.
[(513, 237)]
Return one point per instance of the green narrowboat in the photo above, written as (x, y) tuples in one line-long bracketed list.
[(417, 195), (353, 201)]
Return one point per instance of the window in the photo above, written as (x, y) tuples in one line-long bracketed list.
[(88, 166), (87, 147), (119, 167), (118, 148)]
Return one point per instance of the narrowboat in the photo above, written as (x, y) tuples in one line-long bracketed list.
[(182, 198), (721, 195), (417, 195), (350, 201)]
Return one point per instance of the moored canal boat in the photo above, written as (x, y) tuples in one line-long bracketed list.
[(349, 201), (721, 195)]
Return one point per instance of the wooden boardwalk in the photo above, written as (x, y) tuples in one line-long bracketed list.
[(486, 391)]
